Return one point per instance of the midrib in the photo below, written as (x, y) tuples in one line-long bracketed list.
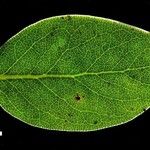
[(32, 76)]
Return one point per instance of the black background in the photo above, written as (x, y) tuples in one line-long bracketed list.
[(14, 16)]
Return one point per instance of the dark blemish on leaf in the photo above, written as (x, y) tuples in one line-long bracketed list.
[(133, 76), (70, 115), (66, 121), (62, 17), (53, 31), (77, 97), (109, 83), (67, 18), (95, 122), (144, 109)]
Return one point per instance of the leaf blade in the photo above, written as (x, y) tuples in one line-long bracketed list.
[(76, 73)]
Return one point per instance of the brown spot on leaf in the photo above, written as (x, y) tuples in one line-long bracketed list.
[(77, 97)]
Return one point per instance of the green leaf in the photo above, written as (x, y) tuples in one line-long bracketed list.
[(76, 73)]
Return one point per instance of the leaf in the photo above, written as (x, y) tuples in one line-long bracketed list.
[(76, 73)]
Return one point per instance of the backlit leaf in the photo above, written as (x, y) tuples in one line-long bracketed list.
[(76, 73)]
